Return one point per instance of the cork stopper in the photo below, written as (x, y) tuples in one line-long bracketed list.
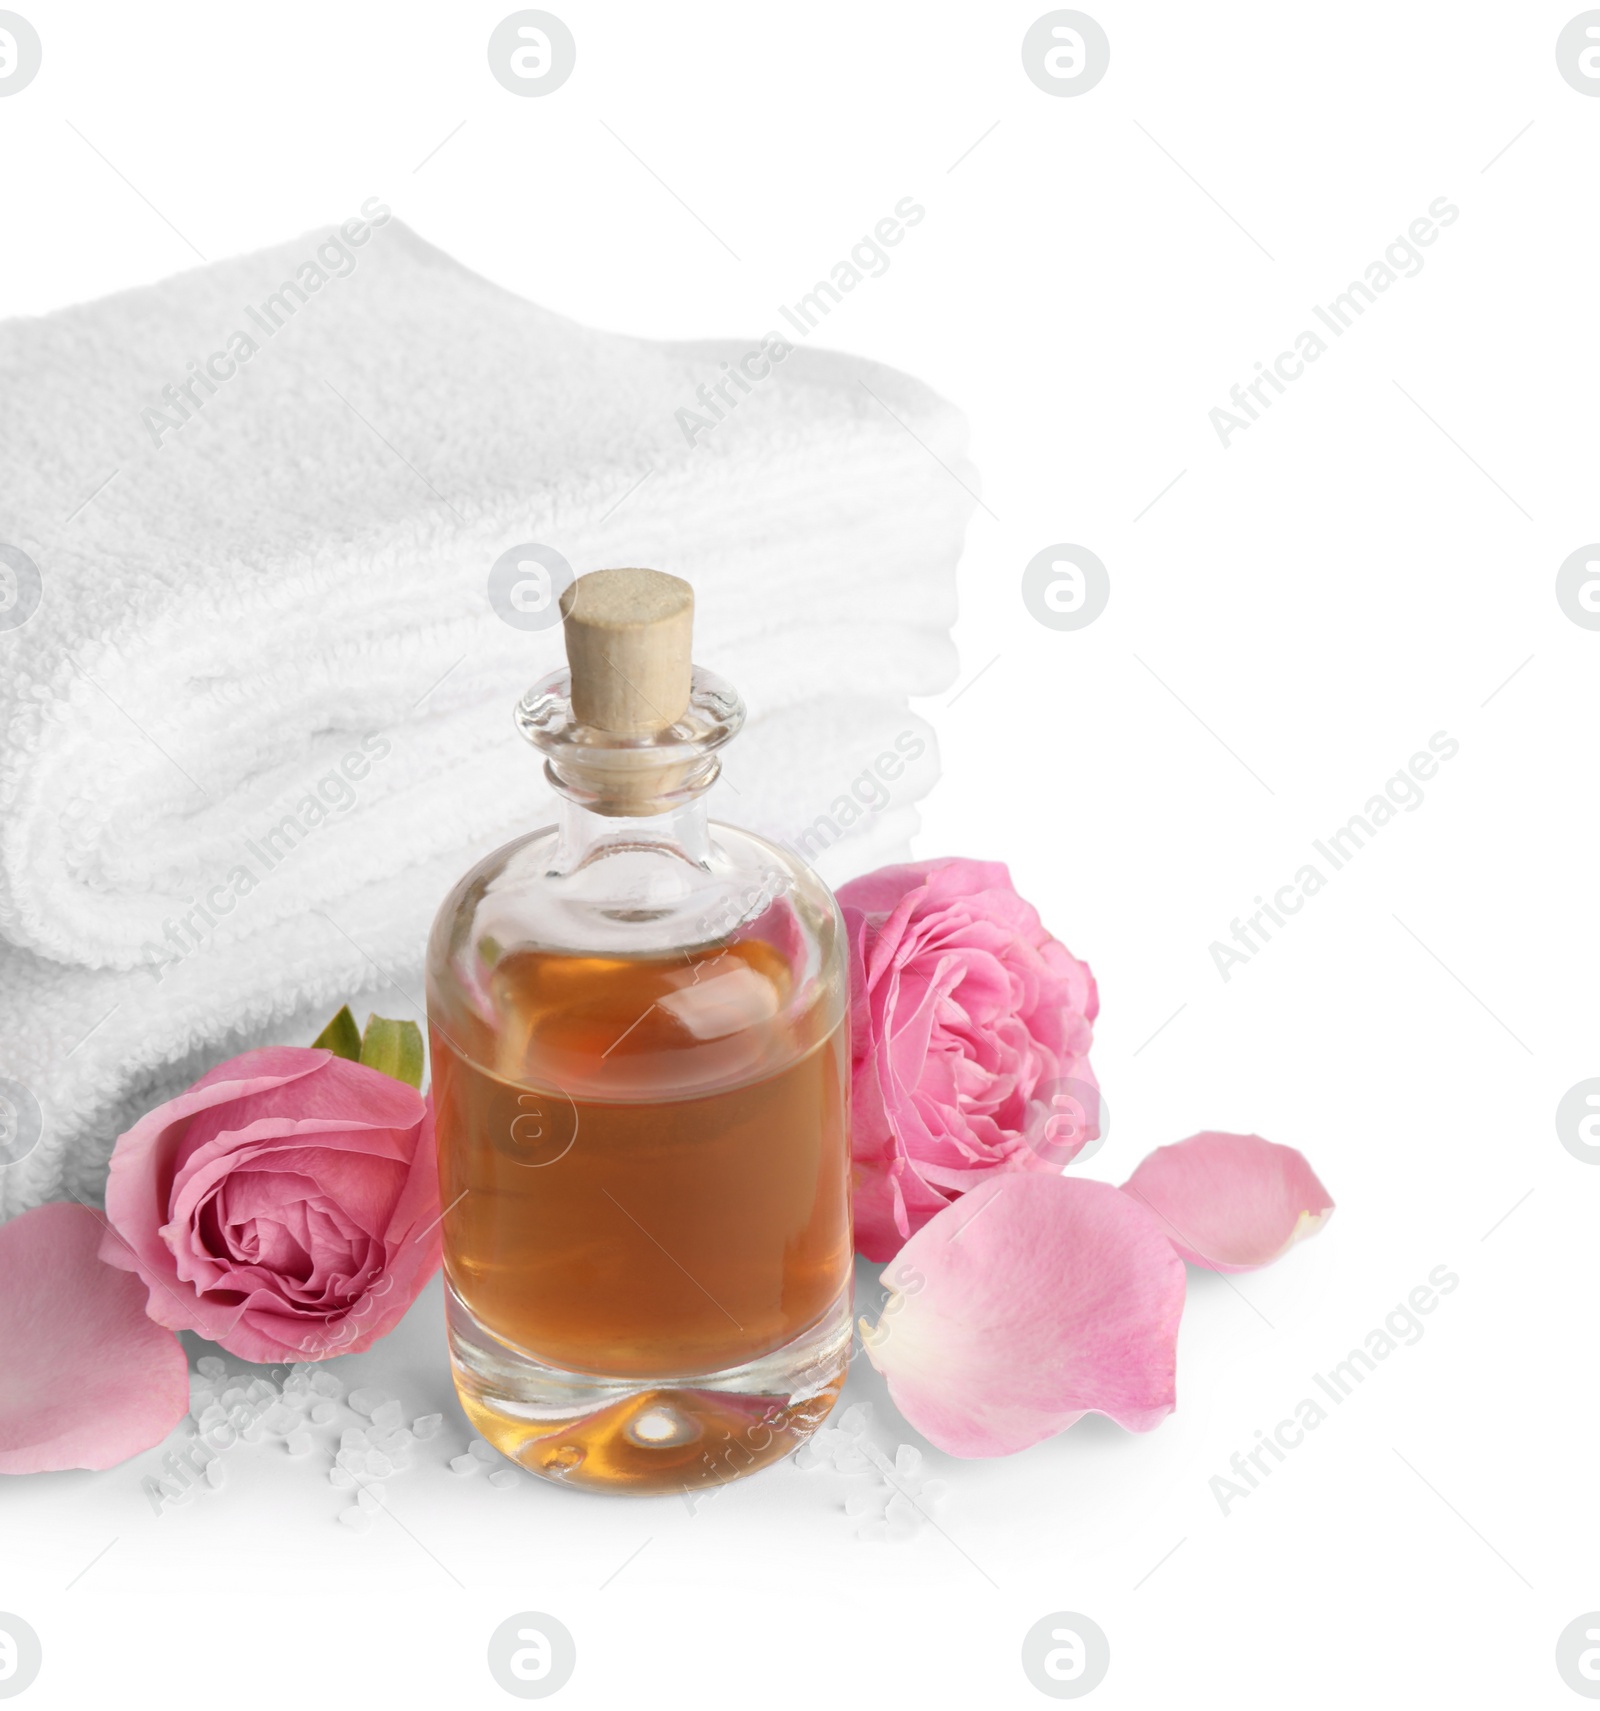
[(628, 638)]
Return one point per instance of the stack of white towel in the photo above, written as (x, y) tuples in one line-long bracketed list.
[(261, 719)]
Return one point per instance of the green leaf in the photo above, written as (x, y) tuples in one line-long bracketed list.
[(341, 1037), (395, 1048)]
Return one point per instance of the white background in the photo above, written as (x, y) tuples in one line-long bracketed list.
[(1287, 624)]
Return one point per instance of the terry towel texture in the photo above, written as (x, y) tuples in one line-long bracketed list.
[(266, 646)]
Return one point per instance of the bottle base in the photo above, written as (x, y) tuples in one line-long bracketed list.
[(648, 1436)]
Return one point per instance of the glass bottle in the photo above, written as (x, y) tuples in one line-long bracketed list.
[(640, 1073)]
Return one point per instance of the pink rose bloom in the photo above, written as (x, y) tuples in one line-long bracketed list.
[(286, 1206), (966, 1019)]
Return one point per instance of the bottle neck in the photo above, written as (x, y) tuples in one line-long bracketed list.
[(583, 834)]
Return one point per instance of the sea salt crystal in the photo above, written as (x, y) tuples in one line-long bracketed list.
[(298, 1443), (280, 1420), (298, 1383), (324, 1414), (352, 1461), (856, 1418), (253, 1433), (216, 1473), (503, 1477), (856, 1506), (233, 1397), (387, 1414), (908, 1461), (364, 1401), (259, 1390), (464, 1464), (427, 1426), (396, 1441), (213, 1417), (356, 1518), (325, 1384), (353, 1438), (341, 1477), (483, 1451), (378, 1465), (900, 1509), (211, 1366)]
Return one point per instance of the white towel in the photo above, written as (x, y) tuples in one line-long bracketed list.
[(281, 615), (295, 570)]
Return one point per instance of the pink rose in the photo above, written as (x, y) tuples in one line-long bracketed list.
[(286, 1206), (966, 1020)]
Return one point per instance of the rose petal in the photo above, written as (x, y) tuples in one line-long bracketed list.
[(88, 1380), (1031, 1302), (880, 891), (1231, 1202), (281, 1087)]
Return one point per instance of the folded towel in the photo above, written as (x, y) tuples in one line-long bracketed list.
[(299, 573), (266, 643)]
